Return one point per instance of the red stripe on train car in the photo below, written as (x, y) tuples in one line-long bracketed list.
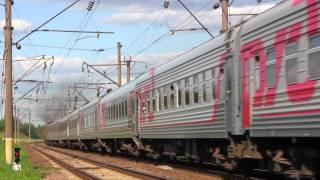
[(292, 113)]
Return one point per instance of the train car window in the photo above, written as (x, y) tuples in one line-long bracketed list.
[(292, 70), (153, 101), (119, 111), (271, 75), (271, 54), (88, 121), (160, 99), (126, 108), (271, 67), (314, 41), (186, 91), (165, 98), (123, 110), (204, 87), (195, 89), (93, 118), (148, 101), (132, 107), (107, 117), (179, 86), (116, 112), (291, 48), (112, 112), (314, 65), (143, 107), (171, 90), (74, 123), (257, 71), (213, 87)]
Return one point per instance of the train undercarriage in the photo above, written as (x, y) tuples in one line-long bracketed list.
[(295, 158)]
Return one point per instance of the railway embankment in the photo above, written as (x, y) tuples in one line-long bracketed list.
[(28, 171), (143, 168)]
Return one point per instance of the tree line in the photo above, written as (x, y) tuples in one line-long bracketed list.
[(36, 132)]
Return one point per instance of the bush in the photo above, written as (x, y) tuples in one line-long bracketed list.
[(1, 125)]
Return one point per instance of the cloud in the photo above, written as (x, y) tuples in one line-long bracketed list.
[(135, 14), (18, 25)]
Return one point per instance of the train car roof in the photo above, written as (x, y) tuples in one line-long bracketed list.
[(190, 54), (120, 91), (89, 104), (282, 9)]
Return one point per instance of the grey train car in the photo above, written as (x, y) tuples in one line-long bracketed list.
[(252, 94)]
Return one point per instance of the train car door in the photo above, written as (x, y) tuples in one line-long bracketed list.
[(129, 104), (227, 86), (78, 124), (132, 112), (68, 127)]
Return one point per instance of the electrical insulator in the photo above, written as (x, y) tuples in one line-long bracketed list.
[(98, 92), (216, 6), (166, 4), (90, 5)]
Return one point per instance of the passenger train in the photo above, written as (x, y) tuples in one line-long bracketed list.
[(249, 98)]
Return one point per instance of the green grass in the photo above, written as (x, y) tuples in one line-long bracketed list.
[(27, 172)]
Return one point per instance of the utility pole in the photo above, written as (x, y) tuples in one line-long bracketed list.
[(119, 63), (128, 64), (18, 125), (15, 124), (225, 20), (8, 83), (29, 123)]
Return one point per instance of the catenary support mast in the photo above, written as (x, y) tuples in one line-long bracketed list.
[(225, 20), (8, 84)]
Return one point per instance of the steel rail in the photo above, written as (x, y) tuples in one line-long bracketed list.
[(121, 169), (76, 171)]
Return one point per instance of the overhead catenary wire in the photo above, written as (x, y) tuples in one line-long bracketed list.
[(143, 33), (85, 22), (25, 30), (161, 37), (70, 48), (46, 22)]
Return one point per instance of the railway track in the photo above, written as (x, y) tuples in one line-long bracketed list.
[(200, 168), (93, 169), (203, 168)]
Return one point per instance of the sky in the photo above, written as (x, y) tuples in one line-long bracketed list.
[(143, 27)]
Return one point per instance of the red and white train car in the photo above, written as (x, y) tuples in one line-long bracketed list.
[(252, 94)]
